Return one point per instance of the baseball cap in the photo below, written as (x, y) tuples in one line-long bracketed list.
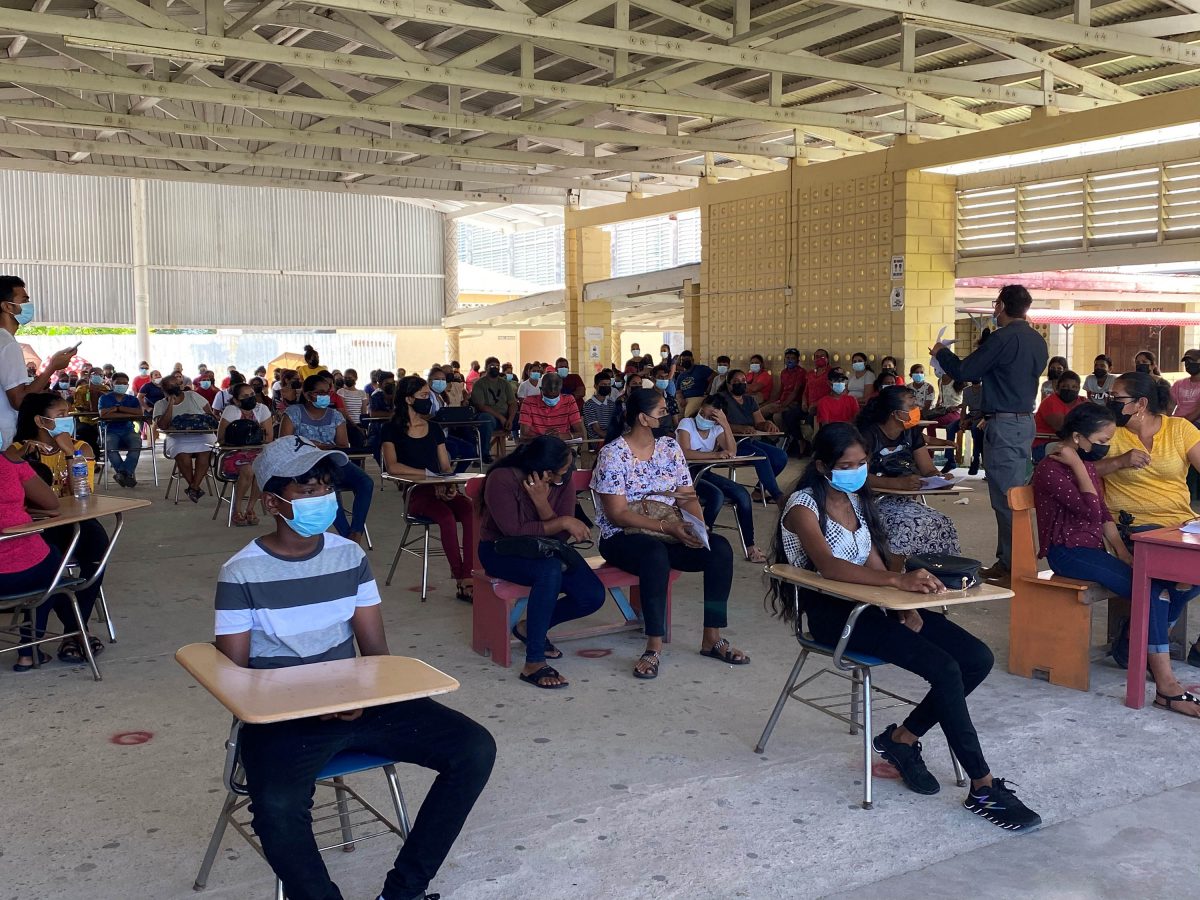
[(791, 350), (288, 457)]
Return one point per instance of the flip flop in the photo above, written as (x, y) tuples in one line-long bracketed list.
[(550, 650), (535, 678), (722, 650), (1185, 697), (655, 659)]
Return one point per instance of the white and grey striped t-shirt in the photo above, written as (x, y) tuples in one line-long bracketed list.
[(296, 610)]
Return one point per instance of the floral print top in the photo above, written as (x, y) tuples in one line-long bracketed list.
[(618, 471)]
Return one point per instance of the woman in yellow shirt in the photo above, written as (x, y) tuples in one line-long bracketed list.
[(312, 363), (47, 431), (1145, 473)]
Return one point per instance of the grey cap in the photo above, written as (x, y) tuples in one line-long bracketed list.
[(288, 457)]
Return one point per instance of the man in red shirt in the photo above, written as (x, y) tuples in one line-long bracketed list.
[(554, 411), (572, 383), (1053, 410), (837, 405)]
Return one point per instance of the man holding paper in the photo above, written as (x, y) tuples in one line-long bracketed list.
[(1009, 364)]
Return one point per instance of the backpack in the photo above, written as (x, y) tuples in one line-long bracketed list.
[(243, 433)]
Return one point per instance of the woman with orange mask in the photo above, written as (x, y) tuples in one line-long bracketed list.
[(898, 461)]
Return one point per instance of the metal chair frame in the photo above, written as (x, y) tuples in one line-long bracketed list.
[(853, 668), (343, 806), (737, 521), (176, 478), (405, 545)]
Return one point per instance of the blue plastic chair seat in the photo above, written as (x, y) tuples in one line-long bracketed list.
[(857, 658), (66, 584), (350, 761)]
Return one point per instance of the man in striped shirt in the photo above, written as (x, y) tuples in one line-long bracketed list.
[(598, 411), (299, 595), (552, 412)]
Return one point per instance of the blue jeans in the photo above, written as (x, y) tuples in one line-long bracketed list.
[(548, 583), (461, 453), (352, 478), (767, 469), (487, 427), (130, 442), (282, 761), (713, 490), (1090, 564)]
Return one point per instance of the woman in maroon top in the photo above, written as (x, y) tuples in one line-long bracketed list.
[(529, 493), (1079, 539)]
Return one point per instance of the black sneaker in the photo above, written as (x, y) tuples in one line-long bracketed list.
[(908, 762), (1000, 806), (974, 470)]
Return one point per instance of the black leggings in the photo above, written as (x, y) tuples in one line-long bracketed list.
[(950, 658)]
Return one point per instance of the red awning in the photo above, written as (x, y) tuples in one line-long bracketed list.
[(1096, 316)]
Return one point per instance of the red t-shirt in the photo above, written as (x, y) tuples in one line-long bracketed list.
[(1053, 405), (790, 380), (538, 418), (209, 394), (759, 385), (817, 386), (139, 382), (836, 408)]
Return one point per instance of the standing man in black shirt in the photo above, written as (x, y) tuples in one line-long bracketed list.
[(1009, 364)]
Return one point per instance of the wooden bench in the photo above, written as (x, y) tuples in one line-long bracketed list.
[(498, 605), (1050, 617)]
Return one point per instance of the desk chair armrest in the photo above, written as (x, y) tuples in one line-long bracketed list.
[(233, 748)]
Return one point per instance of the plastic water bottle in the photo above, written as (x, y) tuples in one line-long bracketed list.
[(79, 476)]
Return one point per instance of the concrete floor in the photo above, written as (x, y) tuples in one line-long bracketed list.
[(611, 788)]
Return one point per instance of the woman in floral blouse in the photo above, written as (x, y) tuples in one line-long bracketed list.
[(642, 461)]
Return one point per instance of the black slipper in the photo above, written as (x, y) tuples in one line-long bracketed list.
[(43, 658), (655, 659), (550, 650), (535, 679), (723, 651)]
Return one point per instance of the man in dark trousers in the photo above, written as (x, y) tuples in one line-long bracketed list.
[(1009, 364)]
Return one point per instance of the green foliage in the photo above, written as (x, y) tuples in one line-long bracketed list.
[(68, 330)]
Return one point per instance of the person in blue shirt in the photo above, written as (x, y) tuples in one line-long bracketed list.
[(119, 411), (691, 382)]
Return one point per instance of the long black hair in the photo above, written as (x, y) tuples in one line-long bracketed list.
[(625, 413), (829, 445), (32, 406), (545, 453), (1086, 419), (1156, 390), (883, 404), (408, 386), (311, 357)]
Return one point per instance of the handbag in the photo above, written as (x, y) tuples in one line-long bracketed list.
[(957, 573), (533, 547), (893, 464), (660, 512), (199, 422)]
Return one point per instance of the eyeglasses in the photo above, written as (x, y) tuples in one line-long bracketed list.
[(1121, 400)]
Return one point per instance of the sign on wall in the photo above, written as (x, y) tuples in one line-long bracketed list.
[(896, 300)]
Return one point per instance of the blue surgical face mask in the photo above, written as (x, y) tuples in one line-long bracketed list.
[(563, 371), (755, 368), (509, 376), (438, 385), (661, 384), (313, 515), (837, 387), (121, 388), (704, 424), (142, 370), (205, 385), (97, 379), (25, 316), (618, 384), (848, 481), (321, 401), (858, 366), (535, 377), (63, 425), (551, 401), (722, 369), (918, 377)]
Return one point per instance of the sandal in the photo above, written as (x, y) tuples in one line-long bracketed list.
[(239, 520), (1185, 697), (552, 652), (466, 593), (756, 556), (251, 518), (724, 651), (69, 651), (535, 678), (43, 659), (96, 644), (653, 659)]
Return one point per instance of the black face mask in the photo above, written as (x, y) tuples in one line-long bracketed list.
[(1192, 367), (604, 390), (1098, 451), (174, 390), (1068, 396), (737, 389), (685, 363), (1141, 367), (493, 372), (1100, 374), (338, 383), (248, 402), (422, 406), (1055, 374), (665, 427), (888, 370), (1115, 407)]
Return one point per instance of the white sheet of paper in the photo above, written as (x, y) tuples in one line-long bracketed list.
[(933, 363), (429, 474), (1192, 527), (933, 482), (697, 527)]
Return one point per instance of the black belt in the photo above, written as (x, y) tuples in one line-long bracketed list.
[(1011, 415)]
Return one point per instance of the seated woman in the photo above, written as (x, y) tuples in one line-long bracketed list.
[(1145, 472), (1052, 412), (948, 414), (311, 417), (707, 437), (641, 461), (861, 381), (899, 459), (412, 444), (529, 494), (1054, 370), (244, 422), (744, 418), (191, 452), (45, 435), (830, 526), (1076, 533)]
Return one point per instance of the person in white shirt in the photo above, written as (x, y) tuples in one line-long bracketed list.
[(243, 406), (355, 400), (1100, 383), (923, 389), (1054, 370)]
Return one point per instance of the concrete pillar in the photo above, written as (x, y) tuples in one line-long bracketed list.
[(589, 326), (1062, 338), (695, 327), (141, 274), (452, 341)]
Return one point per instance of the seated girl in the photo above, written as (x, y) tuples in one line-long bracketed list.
[(641, 461), (244, 421), (707, 437), (830, 526), (898, 460), (411, 444), (529, 494), (47, 433)]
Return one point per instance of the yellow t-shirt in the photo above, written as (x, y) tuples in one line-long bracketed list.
[(302, 372), (1157, 494), (59, 465)]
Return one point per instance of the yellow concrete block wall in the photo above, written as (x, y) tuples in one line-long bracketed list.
[(588, 254)]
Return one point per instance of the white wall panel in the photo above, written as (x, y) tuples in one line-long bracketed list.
[(79, 294), (54, 218)]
